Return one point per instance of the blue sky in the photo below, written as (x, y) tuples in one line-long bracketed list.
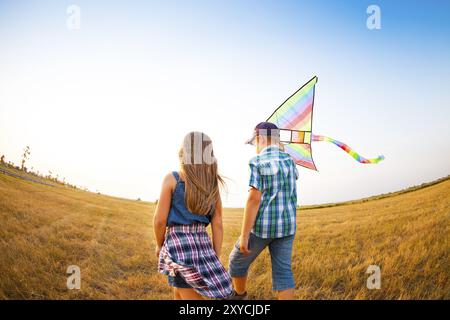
[(107, 106)]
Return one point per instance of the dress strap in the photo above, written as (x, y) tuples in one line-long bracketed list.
[(176, 175)]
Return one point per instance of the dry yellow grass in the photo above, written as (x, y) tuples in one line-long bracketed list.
[(45, 229)]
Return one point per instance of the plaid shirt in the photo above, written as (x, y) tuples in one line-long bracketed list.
[(273, 172)]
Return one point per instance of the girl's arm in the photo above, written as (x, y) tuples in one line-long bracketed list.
[(162, 211), (217, 228)]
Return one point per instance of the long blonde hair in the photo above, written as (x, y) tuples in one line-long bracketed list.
[(199, 169)]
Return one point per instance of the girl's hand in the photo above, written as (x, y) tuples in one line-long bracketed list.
[(157, 250)]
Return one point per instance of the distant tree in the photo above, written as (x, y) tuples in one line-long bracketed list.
[(2, 159), (25, 156)]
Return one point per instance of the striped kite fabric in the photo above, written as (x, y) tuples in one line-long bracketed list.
[(295, 115)]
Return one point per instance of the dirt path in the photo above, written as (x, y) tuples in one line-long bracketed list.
[(16, 175)]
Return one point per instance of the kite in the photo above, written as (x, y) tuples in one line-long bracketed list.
[(294, 119)]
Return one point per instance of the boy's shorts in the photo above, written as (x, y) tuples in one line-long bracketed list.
[(280, 253)]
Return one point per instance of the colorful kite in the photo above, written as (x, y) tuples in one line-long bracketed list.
[(294, 118)]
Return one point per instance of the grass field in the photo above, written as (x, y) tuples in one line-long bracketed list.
[(45, 229)]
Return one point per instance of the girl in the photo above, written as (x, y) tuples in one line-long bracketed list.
[(189, 201)]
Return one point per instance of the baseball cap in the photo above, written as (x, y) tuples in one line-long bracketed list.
[(267, 129)]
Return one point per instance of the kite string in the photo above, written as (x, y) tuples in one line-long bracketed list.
[(347, 149)]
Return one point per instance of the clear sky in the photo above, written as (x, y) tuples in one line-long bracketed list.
[(107, 106)]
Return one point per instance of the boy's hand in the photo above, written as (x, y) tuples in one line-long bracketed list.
[(243, 244)]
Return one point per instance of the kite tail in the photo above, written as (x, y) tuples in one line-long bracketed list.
[(347, 149)]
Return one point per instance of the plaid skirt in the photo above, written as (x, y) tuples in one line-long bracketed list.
[(188, 251)]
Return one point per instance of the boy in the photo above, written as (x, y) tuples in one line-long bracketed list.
[(269, 216)]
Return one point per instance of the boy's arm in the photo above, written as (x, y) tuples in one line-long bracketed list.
[(162, 212), (217, 228), (251, 210)]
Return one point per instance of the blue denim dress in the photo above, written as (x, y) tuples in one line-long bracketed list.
[(179, 213)]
